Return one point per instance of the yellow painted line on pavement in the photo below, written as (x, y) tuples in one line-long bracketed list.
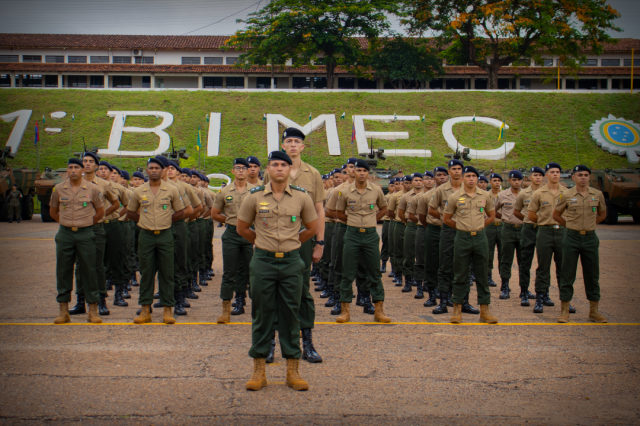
[(628, 324), (31, 239)]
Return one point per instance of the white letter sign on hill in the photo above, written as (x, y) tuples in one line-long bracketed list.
[(362, 135), (275, 120), (119, 126), (213, 140), (488, 154), (17, 133)]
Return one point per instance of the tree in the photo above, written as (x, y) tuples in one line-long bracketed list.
[(506, 31), (302, 30)]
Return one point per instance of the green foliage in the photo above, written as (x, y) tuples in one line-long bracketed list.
[(544, 126)]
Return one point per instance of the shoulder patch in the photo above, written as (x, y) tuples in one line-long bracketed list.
[(297, 188), (257, 189)]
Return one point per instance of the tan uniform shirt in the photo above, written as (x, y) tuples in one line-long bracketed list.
[(309, 179), (156, 210), (362, 207), (522, 203), (76, 209), (328, 219), (333, 201), (105, 189), (579, 211), (189, 196), (277, 223), (412, 206), (506, 202), (423, 208), (495, 197), (470, 211), (394, 201), (386, 198), (440, 198), (229, 200), (208, 202), (123, 218), (543, 202), (123, 198), (200, 193), (405, 201)]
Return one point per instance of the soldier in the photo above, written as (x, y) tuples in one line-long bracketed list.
[(194, 239), (412, 209), (474, 210), (253, 174), (397, 188), (494, 231), (127, 230), (77, 205), (366, 205), (136, 180), (483, 182), (437, 205), (431, 236), (330, 237), (583, 208), (550, 234), (399, 229), (208, 225), (155, 206), (411, 228), (529, 233), (235, 249), (196, 281), (384, 252), (504, 204), (277, 210), (15, 197)]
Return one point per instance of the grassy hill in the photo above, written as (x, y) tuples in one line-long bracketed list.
[(545, 126)]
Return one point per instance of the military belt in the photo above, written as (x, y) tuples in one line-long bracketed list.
[(148, 231), (583, 233), (233, 227), (531, 225), (434, 225), (199, 219), (497, 223), (472, 233), (511, 225), (75, 228), (278, 255), (363, 230), (409, 223), (550, 226), (401, 223)]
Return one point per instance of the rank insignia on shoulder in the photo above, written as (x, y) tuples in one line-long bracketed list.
[(257, 189), (297, 188)]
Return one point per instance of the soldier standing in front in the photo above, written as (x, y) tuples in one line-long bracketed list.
[(14, 203)]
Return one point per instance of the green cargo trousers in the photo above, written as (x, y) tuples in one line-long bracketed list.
[(235, 251), (100, 241), (390, 241), (276, 290), (409, 248), (180, 237), (135, 243), (202, 243), (76, 247), (362, 244), (307, 305), (470, 250), (445, 269), (156, 256), (193, 264), (114, 252), (208, 245), (494, 238), (431, 255), (126, 232), (384, 252), (132, 241), (548, 247), (338, 245), (586, 247), (418, 270), (398, 247), (528, 238), (510, 245), (325, 262)]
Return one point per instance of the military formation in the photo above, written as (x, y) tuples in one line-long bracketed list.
[(440, 232)]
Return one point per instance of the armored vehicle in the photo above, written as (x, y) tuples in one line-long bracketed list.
[(377, 175), (24, 179), (44, 187), (621, 189)]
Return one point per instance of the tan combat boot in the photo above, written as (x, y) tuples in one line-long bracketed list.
[(64, 314), (93, 317), (293, 377), (457, 313), (594, 314), (145, 315), (345, 316), (379, 315), (226, 312), (167, 317), (259, 378), (485, 315), (564, 312)]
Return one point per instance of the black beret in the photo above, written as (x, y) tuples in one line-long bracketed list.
[(455, 162), (125, 175), (398, 179), (331, 173), (581, 168), (440, 169), (467, 169), (175, 166), (138, 175), (197, 174), (187, 172), (75, 161), (253, 160), (282, 156), (292, 132), (407, 178), (106, 164), (165, 161), (156, 161), (360, 163), (117, 170), (92, 155), (392, 181), (428, 173), (484, 178), (337, 170), (352, 160), (206, 178), (515, 174), (344, 166), (325, 177), (552, 166), (537, 170), (417, 174), (495, 176), (242, 162), (146, 180)]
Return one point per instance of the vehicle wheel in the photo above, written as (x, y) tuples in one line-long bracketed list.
[(27, 207), (4, 210), (636, 218), (612, 213), (44, 213)]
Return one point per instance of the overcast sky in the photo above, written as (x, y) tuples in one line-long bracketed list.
[(173, 17)]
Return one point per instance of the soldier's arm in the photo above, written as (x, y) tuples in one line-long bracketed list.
[(113, 199), (423, 219), (401, 215), (246, 216), (490, 212), (245, 231), (307, 212), (381, 213), (557, 212), (533, 208), (217, 216), (449, 211), (99, 214), (447, 221), (54, 205), (518, 214), (602, 209)]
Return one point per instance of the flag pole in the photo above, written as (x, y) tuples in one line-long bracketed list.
[(632, 71), (504, 121), (38, 150), (71, 134), (424, 127), (310, 133)]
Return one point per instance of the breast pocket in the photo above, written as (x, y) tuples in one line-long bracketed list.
[(463, 209), (481, 206), (593, 206), (84, 207), (265, 218), (291, 217)]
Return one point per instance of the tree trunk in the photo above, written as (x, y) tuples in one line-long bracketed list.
[(331, 68), (492, 74)]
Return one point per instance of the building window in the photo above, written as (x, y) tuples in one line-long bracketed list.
[(122, 81), (77, 60), (263, 82), (365, 83), (590, 63), (503, 84), (346, 83), (570, 83), (77, 80), (545, 63), (122, 59), (626, 83), (99, 59), (32, 58), (627, 62), (5, 80), (320, 82), (319, 61), (456, 84), (31, 81), (96, 81), (212, 82), (522, 62), (235, 82), (232, 60), (301, 83), (144, 60), (146, 82), (434, 84), (481, 83), (588, 84), (525, 84), (50, 81), (213, 60), (190, 60), (610, 62), (9, 58), (54, 59)]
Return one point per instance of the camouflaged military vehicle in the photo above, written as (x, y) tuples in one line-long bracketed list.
[(379, 176), (24, 179), (621, 189), (44, 187)]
